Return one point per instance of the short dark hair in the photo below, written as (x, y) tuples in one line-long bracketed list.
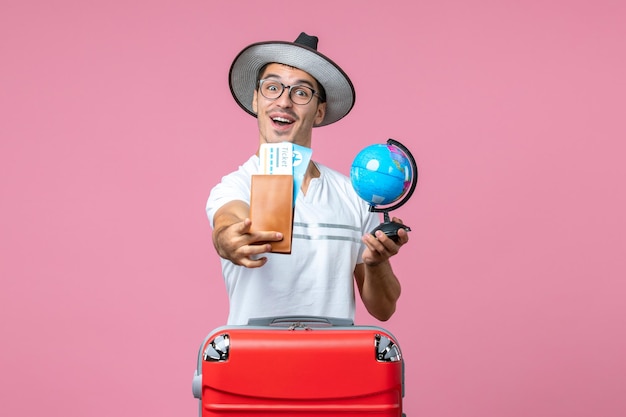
[(320, 87)]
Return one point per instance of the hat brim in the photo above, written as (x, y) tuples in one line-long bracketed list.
[(340, 94)]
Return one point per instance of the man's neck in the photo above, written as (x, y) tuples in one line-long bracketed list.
[(311, 172)]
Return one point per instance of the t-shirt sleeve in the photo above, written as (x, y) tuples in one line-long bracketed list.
[(232, 187), (370, 222)]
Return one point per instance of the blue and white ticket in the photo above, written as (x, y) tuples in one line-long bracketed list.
[(301, 158), (285, 159), (276, 158)]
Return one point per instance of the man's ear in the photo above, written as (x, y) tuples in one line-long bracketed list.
[(321, 112), (254, 102)]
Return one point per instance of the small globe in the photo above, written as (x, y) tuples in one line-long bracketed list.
[(381, 174)]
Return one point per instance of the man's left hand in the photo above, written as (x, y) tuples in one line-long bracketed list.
[(381, 247)]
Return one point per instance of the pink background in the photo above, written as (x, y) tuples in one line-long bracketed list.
[(116, 120)]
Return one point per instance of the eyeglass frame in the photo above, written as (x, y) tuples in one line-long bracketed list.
[(290, 87)]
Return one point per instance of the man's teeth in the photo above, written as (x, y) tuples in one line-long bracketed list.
[(281, 120)]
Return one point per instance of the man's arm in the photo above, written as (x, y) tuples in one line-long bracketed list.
[(234, 241), (377, 284)]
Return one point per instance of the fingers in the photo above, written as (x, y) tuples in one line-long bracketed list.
[(383, 244), (243, 247), (381, 247), (264, 237), (403, 237), (259, 236), (250, 255), (244, 226)]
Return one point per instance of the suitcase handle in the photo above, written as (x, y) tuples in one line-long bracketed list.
[(300, 321)]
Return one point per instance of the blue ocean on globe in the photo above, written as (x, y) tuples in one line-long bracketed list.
[(381, 174)]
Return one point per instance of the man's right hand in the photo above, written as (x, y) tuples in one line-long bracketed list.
[(234, 241)]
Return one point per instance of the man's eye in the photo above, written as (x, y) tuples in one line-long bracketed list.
[(302, 92)]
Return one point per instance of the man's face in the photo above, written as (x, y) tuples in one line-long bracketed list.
[(280, 120)]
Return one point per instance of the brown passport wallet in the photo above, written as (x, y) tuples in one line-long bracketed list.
[(271, 207)]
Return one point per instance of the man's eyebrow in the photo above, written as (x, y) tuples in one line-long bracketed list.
[(298, 82)]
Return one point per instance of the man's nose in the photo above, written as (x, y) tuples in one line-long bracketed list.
[(285, 98)]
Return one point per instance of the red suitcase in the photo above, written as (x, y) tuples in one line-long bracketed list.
[(299, 366)]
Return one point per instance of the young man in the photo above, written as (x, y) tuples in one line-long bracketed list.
[(291, 88)]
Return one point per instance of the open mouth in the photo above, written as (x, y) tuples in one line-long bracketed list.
[(281, 121)]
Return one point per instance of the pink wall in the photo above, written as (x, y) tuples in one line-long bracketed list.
[(116, 119)]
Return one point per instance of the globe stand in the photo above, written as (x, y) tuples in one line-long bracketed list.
[(389, 228)]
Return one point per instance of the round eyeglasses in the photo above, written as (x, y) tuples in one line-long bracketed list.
[(299, 94)]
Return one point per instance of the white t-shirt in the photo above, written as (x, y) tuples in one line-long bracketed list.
[(317, 277)]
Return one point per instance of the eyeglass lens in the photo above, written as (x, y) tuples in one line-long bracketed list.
[(299, 94)]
